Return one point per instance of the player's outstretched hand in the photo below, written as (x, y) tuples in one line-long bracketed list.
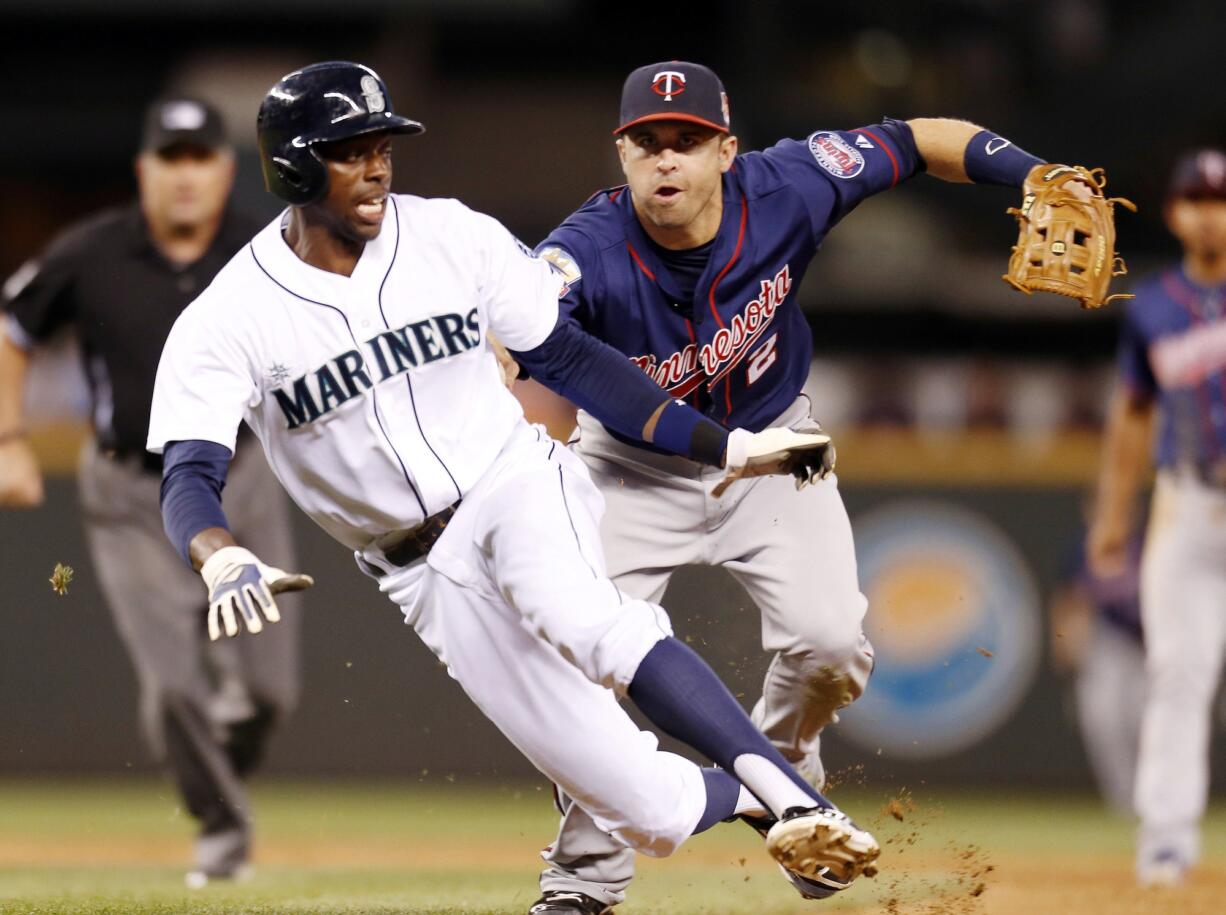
[(805, 455), (239, 584)]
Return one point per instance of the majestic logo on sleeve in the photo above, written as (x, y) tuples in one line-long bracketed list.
[(836, 155), (565, 265), (682, 372), (668, 83), (384, 356)]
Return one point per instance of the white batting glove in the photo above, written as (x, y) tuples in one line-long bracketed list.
[(239, 583), (805, 455)]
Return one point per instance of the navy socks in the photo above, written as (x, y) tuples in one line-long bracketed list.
[(684, 698)]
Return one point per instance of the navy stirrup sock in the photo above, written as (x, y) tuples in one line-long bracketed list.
[(684, 698), (723, 791)]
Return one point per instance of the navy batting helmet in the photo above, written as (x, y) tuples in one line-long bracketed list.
[(319, 104)]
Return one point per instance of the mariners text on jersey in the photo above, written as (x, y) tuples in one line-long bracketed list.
[(310, 396), (739, 348)]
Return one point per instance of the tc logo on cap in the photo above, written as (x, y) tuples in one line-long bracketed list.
[(668, 83)]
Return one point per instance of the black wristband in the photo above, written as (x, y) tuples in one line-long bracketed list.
[(683, 430)]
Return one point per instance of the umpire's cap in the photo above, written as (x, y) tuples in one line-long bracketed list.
[(182, 120), (321, 103), (1199, 175)]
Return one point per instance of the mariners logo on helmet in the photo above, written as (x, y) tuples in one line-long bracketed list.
[(668, 83), (373, 94)]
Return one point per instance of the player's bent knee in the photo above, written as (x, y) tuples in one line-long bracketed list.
[(840, 645)]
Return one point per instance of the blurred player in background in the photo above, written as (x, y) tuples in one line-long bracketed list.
[(692, 271), (1096, 639), (1173, 376), (120, 279)]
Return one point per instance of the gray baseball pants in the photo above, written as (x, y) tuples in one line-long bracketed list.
[(206, 708), (791, 551)]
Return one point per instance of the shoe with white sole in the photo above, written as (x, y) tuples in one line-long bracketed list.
[(559, 902), (823, 845), (1165, 869), (823, 886), (199, 879)]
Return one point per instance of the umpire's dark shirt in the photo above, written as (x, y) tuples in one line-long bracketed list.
[(105, 277)]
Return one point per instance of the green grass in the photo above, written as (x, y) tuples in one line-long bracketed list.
[(328, 848)]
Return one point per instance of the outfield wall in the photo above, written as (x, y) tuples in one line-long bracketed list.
[(375, 700)]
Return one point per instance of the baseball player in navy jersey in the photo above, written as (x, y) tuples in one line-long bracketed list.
[(1173, 382), (691, 270), (352, 335)]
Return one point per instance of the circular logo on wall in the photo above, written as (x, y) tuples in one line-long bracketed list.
[(954, 619)]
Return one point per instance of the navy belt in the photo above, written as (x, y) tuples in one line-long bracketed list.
[(418, 541)]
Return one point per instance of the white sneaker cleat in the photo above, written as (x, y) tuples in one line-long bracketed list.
[(198, 880), (1163, 871), (821, 843)]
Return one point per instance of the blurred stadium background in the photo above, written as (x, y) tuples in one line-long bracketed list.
[(967, 416)]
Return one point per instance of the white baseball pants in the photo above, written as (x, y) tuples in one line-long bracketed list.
[(515, 601), (1183, 611)]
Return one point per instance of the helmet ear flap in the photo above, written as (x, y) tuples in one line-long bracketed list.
[(288, 174), (298, 183)]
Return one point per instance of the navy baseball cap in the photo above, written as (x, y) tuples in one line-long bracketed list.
[(182, 120), (1198, 175), (675, 90)]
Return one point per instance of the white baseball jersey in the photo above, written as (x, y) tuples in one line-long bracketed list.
[(392, 361)]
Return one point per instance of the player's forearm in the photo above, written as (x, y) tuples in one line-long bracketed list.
[(14, 365), (193, 477), (962, 152), (1126, 459), (593, 375), (942, 144)]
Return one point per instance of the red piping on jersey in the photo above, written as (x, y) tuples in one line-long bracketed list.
[(638, 260), (740, 237), (693, 342), (736, 253), (613, 195), (893, 161), (1187, 298)]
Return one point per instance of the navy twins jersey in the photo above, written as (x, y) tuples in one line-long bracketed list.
[(1173, 348), (740, 349)]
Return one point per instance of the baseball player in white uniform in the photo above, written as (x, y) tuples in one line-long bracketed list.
[(1170, 410), (352, 335)]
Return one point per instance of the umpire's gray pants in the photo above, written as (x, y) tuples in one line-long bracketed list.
[(206, 708)]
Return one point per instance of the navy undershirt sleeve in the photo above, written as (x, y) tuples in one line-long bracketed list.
[(193, 476), (596, 377)]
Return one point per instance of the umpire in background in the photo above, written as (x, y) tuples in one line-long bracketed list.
[(121, 278)]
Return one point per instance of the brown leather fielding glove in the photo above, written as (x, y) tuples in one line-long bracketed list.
[(1066, 245)]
